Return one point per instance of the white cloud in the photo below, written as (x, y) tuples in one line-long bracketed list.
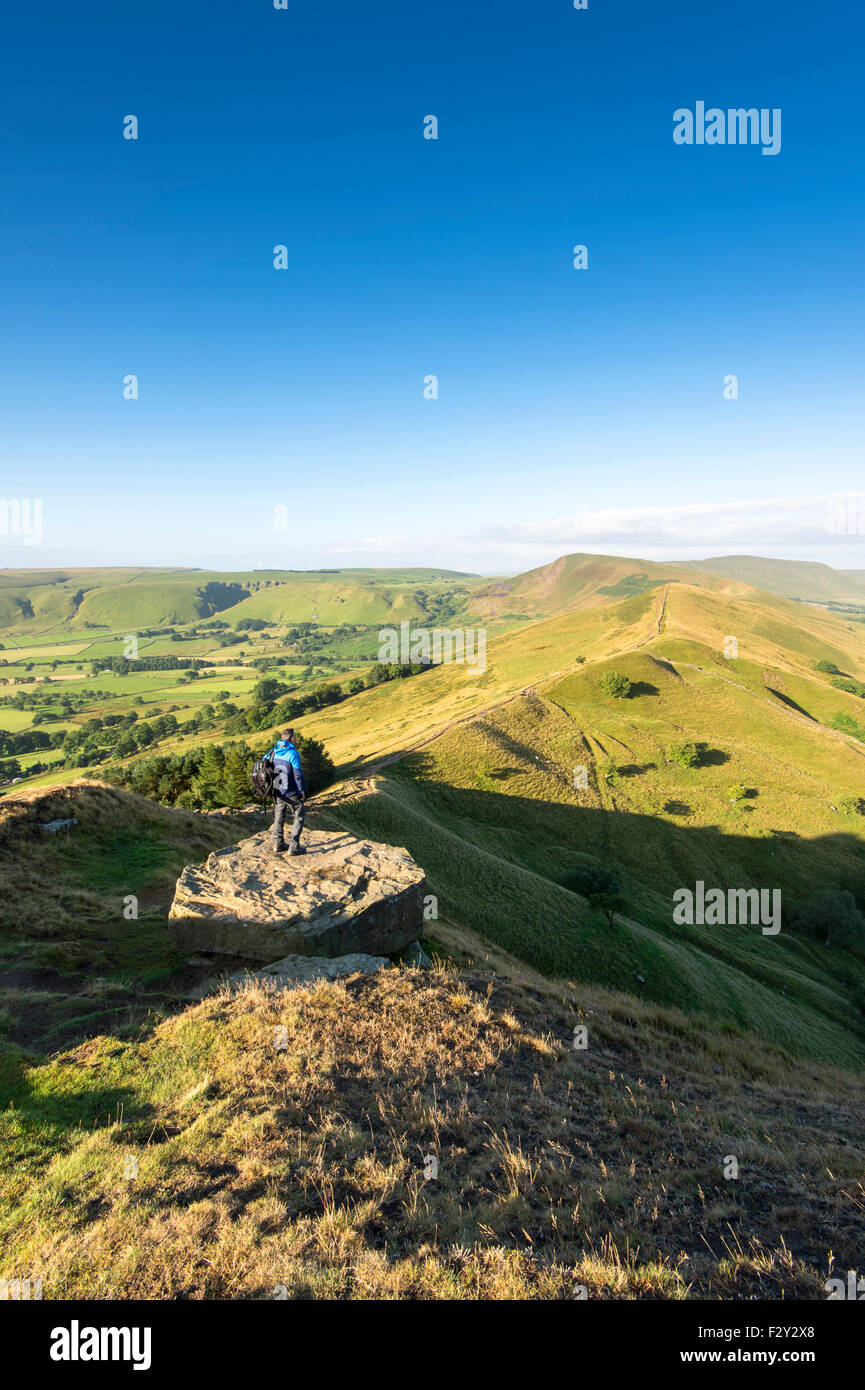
[(793, 527)]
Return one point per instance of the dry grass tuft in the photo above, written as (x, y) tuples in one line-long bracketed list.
[(284, 1144)]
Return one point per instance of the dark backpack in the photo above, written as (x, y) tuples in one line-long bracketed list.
[(262, 778)]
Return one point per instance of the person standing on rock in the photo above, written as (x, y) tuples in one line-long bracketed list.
[(289, 789)]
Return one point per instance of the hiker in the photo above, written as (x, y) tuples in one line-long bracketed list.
[(289, 789)]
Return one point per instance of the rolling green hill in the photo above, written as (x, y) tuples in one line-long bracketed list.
[(581, 581), (799, 579), (126, 600), (490, 808), (473, 767), (732, 760)]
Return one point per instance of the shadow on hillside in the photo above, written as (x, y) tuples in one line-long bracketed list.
[(791, 704), (711, 757), (70, 1106), (549, 837), (511, 842)]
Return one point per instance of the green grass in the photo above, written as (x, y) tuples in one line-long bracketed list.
[(67, 899), (491, 813), (194, 1160)]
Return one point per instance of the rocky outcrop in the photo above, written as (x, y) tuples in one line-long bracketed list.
[(302, 970), (344, 896)]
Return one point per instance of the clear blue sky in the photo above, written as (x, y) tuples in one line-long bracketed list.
[(569, 401)]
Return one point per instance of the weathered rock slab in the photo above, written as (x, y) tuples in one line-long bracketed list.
[(345, 896), (302, 970)]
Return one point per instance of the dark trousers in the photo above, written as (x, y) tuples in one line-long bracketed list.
[(280, 813)]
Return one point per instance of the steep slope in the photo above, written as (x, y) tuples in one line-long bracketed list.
[(491, 810), (784, 635)]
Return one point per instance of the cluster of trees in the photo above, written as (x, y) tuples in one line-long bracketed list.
[(122, 736), (12, 745), (125, 666), (307, 640), (268, 706), (216, 775), (440, 607), (684, 755), (218, 594), (27, 699), (840, 681), (852, 687), (28, 741)]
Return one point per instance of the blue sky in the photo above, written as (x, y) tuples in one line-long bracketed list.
[(577, 410)]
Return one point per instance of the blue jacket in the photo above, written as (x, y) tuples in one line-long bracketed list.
[(289, 780)]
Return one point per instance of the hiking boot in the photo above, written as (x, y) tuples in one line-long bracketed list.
[(280, 849), (295, 849)]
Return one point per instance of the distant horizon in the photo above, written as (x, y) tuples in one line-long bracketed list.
[(442, 568), (824, 528)]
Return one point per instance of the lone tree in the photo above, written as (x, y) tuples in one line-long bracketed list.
[(609, 904), (609, 772), (684, 755), (831, 913), (601, 886), (616, 684)]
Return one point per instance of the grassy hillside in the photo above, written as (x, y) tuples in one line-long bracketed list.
[(162, 1150), (126, 600), (492, 814), (487, 799), (786, 636), (802, 579), (72, 960), (192, 1159), (570, 581), (490, 808), (386, 721)]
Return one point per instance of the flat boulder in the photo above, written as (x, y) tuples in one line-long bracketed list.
[(302, 970), (345, 896)]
